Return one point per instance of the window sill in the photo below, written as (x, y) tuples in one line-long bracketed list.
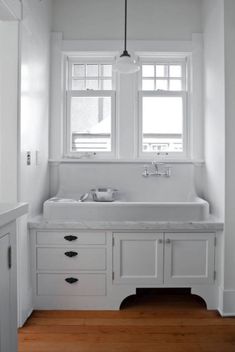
[(125, 161)]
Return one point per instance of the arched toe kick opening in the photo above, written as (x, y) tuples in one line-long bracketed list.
[(206, 296)]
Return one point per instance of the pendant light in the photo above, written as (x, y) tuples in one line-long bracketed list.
[(125, 63)]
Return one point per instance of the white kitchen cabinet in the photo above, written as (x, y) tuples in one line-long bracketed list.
[(97, 269), (171, 259), (138, 258), (189, 258), (8, 311)]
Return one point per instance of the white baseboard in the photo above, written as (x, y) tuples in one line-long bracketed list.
[(227, 303), (23, 318)]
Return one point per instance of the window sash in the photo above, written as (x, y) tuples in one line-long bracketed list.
[(164, 61), (68, 143), (86, 61), (165, 155)]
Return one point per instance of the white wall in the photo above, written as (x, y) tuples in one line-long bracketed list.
[(8, 111), (148, 19), (214, 178), (34, 179), (229, 277)]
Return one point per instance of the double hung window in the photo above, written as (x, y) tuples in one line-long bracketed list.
[(90, 105), (162, 107)]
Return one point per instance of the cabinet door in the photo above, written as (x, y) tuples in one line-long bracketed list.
[(138, 258), (5, 326), (189, 258)]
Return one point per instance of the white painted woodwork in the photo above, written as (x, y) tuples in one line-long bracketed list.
[(8, 304), (87, 284), (10, 10), (189, 258), (56, 259), (138, 258), (111, 265), (4, 294), (83, 238)]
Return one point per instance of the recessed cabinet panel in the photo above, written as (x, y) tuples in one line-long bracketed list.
[(76, 258), (5, 327), (71, 284), (138, 258), (189, 258), (73, 238)]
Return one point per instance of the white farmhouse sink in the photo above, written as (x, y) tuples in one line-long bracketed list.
[(71, 210)]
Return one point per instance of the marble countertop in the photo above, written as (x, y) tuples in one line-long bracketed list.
[(211, 224), (11, 211)]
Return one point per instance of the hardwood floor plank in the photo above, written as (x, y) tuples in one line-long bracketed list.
[(151, 324)]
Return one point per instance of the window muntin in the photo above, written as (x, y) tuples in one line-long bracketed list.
[(90, 107), (163, 76), (91, 76), (162, 110)]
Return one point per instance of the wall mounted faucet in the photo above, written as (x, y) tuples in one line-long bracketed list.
[(157, 169)]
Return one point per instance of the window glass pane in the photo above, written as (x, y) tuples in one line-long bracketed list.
[(79, 70), (78, 84), (106, 70), (91, 124), (92, 84), (148, 70), (92, 70), (161, 71), (162, 124), (107, 84), (148, 84), (161, 84), (175, 71), (175, 84)]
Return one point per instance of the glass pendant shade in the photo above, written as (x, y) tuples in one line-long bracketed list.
[(125, 63)]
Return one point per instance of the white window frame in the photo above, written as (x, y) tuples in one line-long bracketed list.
[(172, 59), (69, 94)]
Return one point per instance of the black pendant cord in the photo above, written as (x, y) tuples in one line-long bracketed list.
[(125, 52)]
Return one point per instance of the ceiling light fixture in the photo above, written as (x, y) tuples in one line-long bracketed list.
[(125, 63)]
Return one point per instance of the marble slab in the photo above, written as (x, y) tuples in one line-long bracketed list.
[(210, 225), (11, 211)]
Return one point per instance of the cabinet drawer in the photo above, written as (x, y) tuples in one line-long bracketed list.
[(87, 284), (71, 258), (68, 237)]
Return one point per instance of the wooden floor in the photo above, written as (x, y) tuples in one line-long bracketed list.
[(159, 322)]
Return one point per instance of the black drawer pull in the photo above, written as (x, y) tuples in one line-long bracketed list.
[(71, 254), (70, 238), (71, 280)]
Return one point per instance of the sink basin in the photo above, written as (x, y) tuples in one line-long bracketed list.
[(70, 210)]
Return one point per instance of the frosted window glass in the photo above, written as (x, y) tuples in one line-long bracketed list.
[(148, 70), (161, 71), (175, 84), (175, 71), (78, 84), (161, 84), (107, 70), (79, 70), (92, 70), (148, 84)]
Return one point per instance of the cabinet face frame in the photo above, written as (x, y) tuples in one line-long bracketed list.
[(119, 241), (9, 318), (170, 253)]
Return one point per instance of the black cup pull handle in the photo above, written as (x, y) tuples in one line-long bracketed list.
[(71, 280), (71, 254), (70, 238)]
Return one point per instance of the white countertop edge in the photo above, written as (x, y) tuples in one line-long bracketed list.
[(11, 211), (210, 224)]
